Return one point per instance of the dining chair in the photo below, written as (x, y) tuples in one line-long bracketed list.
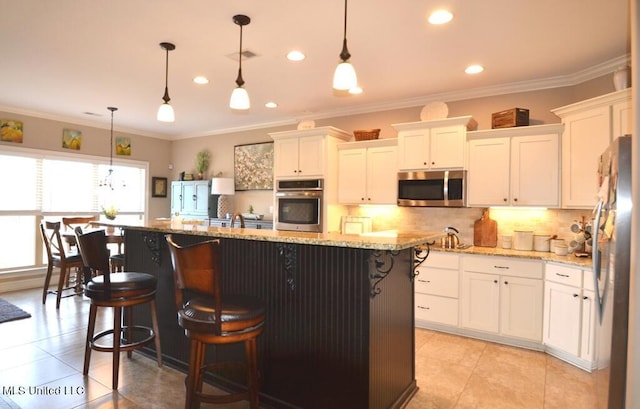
[(210, 317), (120, 291), (58, 257)]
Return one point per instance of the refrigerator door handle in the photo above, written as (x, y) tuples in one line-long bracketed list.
[(596, 259)]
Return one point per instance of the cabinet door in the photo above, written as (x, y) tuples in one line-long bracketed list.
[(521, 307), (285, 157), (382, 175), (311, 151), (447, 147), (413, 150), (352, 165), (480, 301), (202, 191), (176, 197), (622, 118), (488, 176), (561, 324), (588, 322), (586, 135), (188, 198), (535, 170)]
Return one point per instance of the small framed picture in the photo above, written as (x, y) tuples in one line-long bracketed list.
[(158, 187)]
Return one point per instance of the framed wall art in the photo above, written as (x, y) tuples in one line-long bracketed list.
[(253, 166), (71, 139), (158, 187), (10, 130)]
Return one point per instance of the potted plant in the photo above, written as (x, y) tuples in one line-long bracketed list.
[(110, 212), (202, 163)]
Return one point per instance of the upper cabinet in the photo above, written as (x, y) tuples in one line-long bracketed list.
[(433, 145), (590, 126), (305, 153), (367, 173), (515, 167)]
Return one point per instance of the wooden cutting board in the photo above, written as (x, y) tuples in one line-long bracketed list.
[(485, 231)]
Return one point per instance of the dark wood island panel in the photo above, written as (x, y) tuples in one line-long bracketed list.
[(339, 331)]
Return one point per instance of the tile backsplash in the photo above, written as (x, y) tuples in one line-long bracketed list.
[(540, 221)]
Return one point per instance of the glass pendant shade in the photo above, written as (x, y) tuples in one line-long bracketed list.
[(239, 99), (165, 113), (345, 77)]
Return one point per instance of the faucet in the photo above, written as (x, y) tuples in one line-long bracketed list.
[(233, 219)]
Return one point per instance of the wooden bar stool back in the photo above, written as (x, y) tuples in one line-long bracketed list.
[(58, 257), (120, 291), (210, 317)]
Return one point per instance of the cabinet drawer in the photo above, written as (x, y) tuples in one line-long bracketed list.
[(437, 309), (564, 275), (503, 266), (442, 259), (437, 281)]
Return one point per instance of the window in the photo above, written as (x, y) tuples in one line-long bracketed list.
[(39, 185)]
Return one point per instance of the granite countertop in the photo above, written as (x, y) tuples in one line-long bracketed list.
[(584, 262), (387, 240)]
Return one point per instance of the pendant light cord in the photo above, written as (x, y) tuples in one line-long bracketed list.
[(239, 80), (112, 109), (344, 54), (166, 98)]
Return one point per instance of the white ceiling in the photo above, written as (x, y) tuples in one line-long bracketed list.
[(64, 58)]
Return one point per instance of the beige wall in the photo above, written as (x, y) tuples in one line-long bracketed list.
[(180, 154), (46, 134)]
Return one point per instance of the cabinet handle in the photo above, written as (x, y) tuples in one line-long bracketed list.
[(194, 197), (424, 281), (433, 163), (515, 199), (575, 295), (585, 298), (423, 308), (506, 283), (424, 163), (495, 281), (562, 275), (502, 267)]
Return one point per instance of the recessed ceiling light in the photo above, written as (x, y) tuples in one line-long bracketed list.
[(201, 80), (271, 104), (474, 69), (355, 90), (440, 17), (296, 55)]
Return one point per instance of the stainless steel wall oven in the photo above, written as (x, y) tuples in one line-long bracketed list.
[(299, 205)]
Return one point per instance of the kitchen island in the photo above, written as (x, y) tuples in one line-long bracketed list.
[(339, 331)]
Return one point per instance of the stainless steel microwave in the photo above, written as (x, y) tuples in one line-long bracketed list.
[(439, 188)]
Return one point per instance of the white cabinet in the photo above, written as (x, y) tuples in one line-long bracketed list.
[(190, 198), (515, 166), (590, 126), (438, 144), (502, 296), (437, 290), (569, 315), (367, 173), (305, 153)]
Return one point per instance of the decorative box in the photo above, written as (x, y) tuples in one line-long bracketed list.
[(510, 118)]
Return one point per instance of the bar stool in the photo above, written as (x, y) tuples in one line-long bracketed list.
[(120, 291), (210, 317)]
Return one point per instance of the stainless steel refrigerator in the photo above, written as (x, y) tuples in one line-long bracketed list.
[(611, 267)]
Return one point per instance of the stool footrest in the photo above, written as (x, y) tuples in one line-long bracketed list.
[(124, 344)]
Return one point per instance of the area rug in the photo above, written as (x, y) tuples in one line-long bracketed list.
[(10, 312)]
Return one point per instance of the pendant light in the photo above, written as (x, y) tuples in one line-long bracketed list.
[(108, 179), (165, 112), (239, 96), (345, 77)]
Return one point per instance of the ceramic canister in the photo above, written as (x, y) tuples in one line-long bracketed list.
[(523, 240), (541, 242), (554, 243)]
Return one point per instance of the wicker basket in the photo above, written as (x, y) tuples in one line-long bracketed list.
[(366, 134)]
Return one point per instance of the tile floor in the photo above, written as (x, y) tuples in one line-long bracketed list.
[(452, 372)]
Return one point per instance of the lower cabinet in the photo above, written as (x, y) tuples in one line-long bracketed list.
[(570, 315), (502, 296), (437, 288)]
